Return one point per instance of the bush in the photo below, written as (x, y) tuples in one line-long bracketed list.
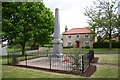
[(86, 47), (116, 44), (76, 61), (106, 45), (35, 47), (106, 40), (68, 47)]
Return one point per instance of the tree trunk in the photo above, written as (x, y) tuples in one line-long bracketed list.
[(23, 49), (110, 44), (110, 41)]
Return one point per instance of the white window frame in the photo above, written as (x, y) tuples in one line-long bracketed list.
[(69, 36), (77, 35), (70, 43), (86, 37), (85, 44)]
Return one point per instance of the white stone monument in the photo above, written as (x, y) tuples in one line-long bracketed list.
[(57, 42)]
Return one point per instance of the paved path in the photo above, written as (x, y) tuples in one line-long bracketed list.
[(44, 62)]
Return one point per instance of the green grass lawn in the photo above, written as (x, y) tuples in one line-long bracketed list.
[(18, 72), (16, 49), (96, 50), (4, 60), (13, 50), (102, 71), (68, 50), (106, 71), (113, 59), (105, 50)]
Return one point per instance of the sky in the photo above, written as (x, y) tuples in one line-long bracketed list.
[(71, 12)]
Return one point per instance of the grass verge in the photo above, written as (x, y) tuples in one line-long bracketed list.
[(18, 72), (106, 71), (112, 59), (103, 71), (96, 50)]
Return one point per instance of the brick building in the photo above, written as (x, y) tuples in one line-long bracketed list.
[(78, 37)]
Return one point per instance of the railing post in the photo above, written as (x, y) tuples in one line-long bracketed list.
[(82, 63), (93, 53), (50, 61), (90, 55), (89, 58), (26, 59), (8, 58)]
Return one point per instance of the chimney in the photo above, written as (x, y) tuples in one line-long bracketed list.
[(66, 28)]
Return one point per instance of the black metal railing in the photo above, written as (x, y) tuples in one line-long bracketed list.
[(86, 60), (45, 60)]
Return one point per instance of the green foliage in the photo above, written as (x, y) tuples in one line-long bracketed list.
[(87, 47), (106, 45), (103, 18), (106, 40), (76, 56), (26, 23), (68, 47), (14, 60)]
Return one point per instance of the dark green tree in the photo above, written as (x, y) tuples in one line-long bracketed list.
[(102, 17), (26, 22)]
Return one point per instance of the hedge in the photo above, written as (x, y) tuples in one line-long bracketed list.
[(68, 47), (106, 45), (86, 47)]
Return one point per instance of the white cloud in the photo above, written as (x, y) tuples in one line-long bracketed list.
[(71, 12)]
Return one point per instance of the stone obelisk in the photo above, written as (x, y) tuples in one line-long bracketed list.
[(57, 42)]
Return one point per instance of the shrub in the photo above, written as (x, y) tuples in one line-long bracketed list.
[(34, 47), (14, 60), (106, 40), (76, 61), (68, 47), (87, 47), (106, 45), (116, 44)]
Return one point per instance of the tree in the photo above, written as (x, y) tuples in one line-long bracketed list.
[(103, 18), (26, 22)]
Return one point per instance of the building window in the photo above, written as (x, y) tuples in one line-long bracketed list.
[(69, 36), (69, 44), (77, 36), (87, 36), (86, 43)]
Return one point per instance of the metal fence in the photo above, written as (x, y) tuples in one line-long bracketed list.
[(69, 62), (86, 60)]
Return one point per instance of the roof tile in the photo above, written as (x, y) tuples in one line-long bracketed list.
[(78, 31)]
